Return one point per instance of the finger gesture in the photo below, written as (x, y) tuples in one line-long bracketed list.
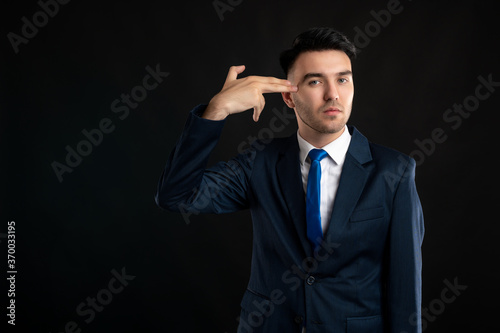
[(238, 95)]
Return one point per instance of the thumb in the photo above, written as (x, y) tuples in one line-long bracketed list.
[(233, 73)]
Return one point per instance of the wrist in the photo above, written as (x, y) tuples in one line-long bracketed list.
[(215, 111)]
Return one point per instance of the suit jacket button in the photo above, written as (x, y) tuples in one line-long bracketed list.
[(310, 280), (298, 320)]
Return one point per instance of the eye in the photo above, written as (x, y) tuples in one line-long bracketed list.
[(314, 82), (343, 80)]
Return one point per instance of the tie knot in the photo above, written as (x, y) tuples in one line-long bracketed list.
[(317, 154)]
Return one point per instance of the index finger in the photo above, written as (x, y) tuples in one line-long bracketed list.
[(278, 87), (271, 80)]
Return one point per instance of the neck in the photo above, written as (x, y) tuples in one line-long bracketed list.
[(319, 140)]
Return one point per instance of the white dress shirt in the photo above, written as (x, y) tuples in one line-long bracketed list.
[(331, 168)]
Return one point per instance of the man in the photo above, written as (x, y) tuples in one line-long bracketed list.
[(337, 221)]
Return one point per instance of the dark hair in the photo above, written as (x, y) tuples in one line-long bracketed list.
[(316, 39)]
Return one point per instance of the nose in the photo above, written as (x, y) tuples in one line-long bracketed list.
[(331, 92)]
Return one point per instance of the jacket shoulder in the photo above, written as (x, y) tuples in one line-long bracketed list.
[(386, 156)]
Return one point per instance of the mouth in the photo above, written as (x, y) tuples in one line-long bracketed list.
[(332, 111)]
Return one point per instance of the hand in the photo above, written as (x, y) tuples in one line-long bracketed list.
[(238, 95)]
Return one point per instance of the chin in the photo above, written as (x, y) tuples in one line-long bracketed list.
[(334, 129)]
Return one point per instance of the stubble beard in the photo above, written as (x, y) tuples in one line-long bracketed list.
[(315, 120)]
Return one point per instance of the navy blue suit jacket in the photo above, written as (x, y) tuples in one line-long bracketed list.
[(366, 277)]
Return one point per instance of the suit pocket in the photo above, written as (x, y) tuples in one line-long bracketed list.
[(253, 300), (371, 324), (367, 214), (255, 309)]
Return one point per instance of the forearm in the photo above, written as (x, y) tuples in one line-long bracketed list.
[(185, 167), (187, 185)]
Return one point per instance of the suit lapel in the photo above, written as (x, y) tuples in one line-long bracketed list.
[(290, 181), (352, 182)]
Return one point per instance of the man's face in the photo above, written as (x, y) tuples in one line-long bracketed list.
[(323, 101)]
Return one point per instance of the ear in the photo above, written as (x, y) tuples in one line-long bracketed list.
[(287, 98)]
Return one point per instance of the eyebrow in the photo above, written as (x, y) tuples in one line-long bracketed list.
[(310, 75)]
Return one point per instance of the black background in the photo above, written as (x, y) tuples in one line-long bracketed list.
[(190, 277)]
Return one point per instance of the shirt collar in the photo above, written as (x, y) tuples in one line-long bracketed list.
[(335, 149)]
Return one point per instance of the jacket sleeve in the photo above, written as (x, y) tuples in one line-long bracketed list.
[(404, 284), (188, 186)]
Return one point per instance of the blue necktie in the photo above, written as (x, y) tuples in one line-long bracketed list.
[(313, 215)]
